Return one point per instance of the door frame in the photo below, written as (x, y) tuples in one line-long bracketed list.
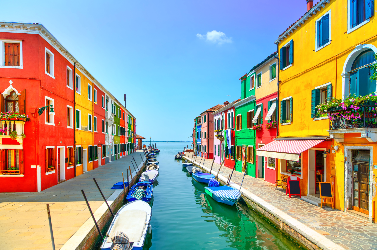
[(348, 177), (62, 169), (85, 160), (308, 168), (99, 155)]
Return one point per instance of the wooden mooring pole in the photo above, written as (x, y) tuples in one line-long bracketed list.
[(90, 210), (50, 224), (219, 170), (104, 196)]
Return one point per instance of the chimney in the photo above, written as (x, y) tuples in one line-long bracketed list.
[(310, 3), (226, 103)]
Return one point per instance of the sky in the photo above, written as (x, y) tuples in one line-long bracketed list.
[(173, 59)]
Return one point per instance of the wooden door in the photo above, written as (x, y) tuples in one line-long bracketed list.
[(59, 165), (360, 185)]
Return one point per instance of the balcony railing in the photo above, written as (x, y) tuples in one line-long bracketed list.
[(366, 117), (12, 129)]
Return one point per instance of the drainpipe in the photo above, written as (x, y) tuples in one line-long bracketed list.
[(74, 116), (278, 90)]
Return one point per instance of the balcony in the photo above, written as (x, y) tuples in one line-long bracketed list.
[(12, 129)]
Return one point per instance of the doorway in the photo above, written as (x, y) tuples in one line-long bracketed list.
[(261, 167), (85, 161), (360, 180), (99, 156), (61, 165), (316, 171)]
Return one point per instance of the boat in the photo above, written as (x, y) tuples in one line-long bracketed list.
[(153, 167), (186, 164), (140, 191), (202, 177), (192, 169), (224, 194), (178, 156), (129, 227), (152, 162), (149, 176)]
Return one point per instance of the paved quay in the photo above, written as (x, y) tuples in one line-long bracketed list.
[(23, 216), (342, 228)]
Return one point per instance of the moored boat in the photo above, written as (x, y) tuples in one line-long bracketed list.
[(149, 176), (224, 194), (129, 227), (186, 164), (140, 191), (202, 177)]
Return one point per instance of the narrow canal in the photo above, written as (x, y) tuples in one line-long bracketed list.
[(184, 217)]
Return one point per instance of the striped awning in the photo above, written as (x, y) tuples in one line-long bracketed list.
[(286, 149)]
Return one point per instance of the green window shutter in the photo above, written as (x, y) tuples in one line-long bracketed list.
[(262, 114), (329, 93), (291, 52), (77, 119), (291, 109), (274, 70), (315, 100), (283, 111), (269, 104)]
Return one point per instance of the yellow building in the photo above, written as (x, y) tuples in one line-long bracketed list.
[(84, 136), (325, 55)]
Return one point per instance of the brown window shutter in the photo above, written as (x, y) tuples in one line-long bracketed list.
[(21, 159), (47, 111), (46, 159), (22, 102), (2, 103), (248, 119), (54, 158), (2, 163), (241, 125), (47, 63), (68, 77), (7, 54), (252, 155), (72, 156), (16, 54)]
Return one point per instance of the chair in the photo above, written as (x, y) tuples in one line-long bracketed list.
[(282, 183)]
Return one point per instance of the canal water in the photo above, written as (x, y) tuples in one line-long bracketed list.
[(184, 217)]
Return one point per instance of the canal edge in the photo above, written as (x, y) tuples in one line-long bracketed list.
[(87, 235), (299, 231)]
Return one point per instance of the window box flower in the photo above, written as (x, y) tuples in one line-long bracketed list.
[(271, 125), (257, 127)]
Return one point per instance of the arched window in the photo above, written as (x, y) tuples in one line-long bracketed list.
[(360, 82), (11, 102)]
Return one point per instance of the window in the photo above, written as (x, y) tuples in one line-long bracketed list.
[(119, 113), (238, 122), (123, 116), (95, 124), (238, 153), (70, 156), (102, 102), (113, 129), (12, 161), (272, 70), (360, 83), (49, 63), (107, 103), (103, 151), (89, 92), (102, 126), (204, 118), (250, 115), (287, 110), (79, 155), (287, 55), (106, 127), (258, 118), (360, 11), (250, 156), (323, 31), (95, 95), (50, 159), (232, 120), (69, 78), (271, 116), (204, 136), (319, 95), (90, 122), (12, 52), (78, 119), (12, 102), (49, 110), (232, 152), (78, 84), (293, 167), (69, 117), (259, 80), (271, 163), (252, 82)]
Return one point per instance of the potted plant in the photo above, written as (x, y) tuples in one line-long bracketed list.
[(257, 127), (13, 135), (271, 125)]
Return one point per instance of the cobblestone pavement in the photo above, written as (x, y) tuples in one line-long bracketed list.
[(23, 216), (348, 230)]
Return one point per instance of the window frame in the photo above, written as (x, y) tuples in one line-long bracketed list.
[(56, 161), (79, 128), (322, 87), (287, 111), (51, 63), (317, 48), (257, 78), (50, 113), (95, 95), (103, 126), (78, 90), (350, 28), (102, 102), (90, 92), (90, 123), (287, 55), (2, 54), (270, 71), (250, 81), (70, 86), (71, 117), (94, 123)]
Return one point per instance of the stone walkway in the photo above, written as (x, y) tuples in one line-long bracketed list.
[(347, 230), (23, 216)]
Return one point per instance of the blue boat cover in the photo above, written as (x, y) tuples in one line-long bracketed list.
[(231, 194), (213, 183), (119, 185), (138, 194)]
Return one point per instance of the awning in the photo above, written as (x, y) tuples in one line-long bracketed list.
[(254, 120), (286, 149), (270, 112)]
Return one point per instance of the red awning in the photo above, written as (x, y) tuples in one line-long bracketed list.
[(286, 149)]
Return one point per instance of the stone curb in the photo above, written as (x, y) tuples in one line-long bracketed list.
[(310, 234)]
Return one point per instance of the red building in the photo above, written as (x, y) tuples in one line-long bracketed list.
[(122, 137), (33, 75)]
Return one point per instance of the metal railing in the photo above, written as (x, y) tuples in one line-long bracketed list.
[(368, 119)]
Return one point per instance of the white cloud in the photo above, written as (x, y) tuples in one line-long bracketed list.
[(215, 37)]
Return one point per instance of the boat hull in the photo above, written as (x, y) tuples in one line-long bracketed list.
[(213, 193), (148, 193), (203, 178)]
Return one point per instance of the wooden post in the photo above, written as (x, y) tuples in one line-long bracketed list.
[(90, 210), (123, 180), (51, 230), (219, 170), (131, 175), (212, 165), (104, 196)]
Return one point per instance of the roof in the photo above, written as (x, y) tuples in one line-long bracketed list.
[(302, 19), (139, 137), (259, 64), (225, 107), (213, 109)]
